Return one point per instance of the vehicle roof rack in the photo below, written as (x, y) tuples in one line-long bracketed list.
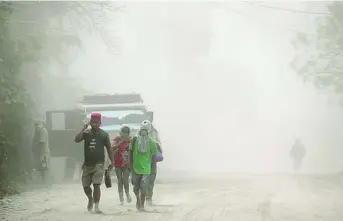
[(124, 98)]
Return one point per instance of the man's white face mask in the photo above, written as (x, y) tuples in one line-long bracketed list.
[(144, 133)]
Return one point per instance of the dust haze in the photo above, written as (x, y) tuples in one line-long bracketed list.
[(217, 77)]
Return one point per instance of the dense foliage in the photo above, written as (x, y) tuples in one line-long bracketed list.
[(11, 93), (319, 58), (33, 36)]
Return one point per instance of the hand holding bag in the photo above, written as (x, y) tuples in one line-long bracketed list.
[(108, 181)]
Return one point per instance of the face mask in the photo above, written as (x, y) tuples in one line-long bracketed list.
[(144, 133)]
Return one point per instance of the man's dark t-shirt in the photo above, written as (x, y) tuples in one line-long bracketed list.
[(94, 143)]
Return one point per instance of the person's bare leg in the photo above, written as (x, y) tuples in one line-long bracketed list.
[(88, 192), (142, 202), (144, 188), (136, 179), (96, 196), (138, 202), (119, 174), (126, 184), (152, 179)]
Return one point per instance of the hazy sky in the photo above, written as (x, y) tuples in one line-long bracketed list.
[(218, 78)]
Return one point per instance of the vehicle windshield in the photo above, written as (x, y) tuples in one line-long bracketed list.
[(112, 120)]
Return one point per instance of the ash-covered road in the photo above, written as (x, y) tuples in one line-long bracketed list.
[(238, 198)]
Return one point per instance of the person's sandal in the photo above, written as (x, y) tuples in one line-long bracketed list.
[(90, 205), (138, 205), (142, 209), (149, 202), (128, 199), (97, 210)]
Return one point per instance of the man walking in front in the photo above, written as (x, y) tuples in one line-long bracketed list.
[(95, 140), (142, 161)]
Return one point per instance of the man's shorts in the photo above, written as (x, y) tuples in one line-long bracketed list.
[(92, 175), (140, 183)]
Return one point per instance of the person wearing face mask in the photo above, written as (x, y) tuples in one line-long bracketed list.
[(159, 157), (120, 157), (40, 149), (142, 162)]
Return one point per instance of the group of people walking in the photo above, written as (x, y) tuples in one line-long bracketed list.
[(128, 154)]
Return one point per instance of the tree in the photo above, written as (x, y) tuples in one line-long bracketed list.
[(35, 35), (12, 93), (51, 34), (319, 57)]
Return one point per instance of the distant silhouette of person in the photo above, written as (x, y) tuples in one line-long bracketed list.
[(297, 154)]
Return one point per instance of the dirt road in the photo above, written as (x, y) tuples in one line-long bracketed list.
[(240, 198)]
